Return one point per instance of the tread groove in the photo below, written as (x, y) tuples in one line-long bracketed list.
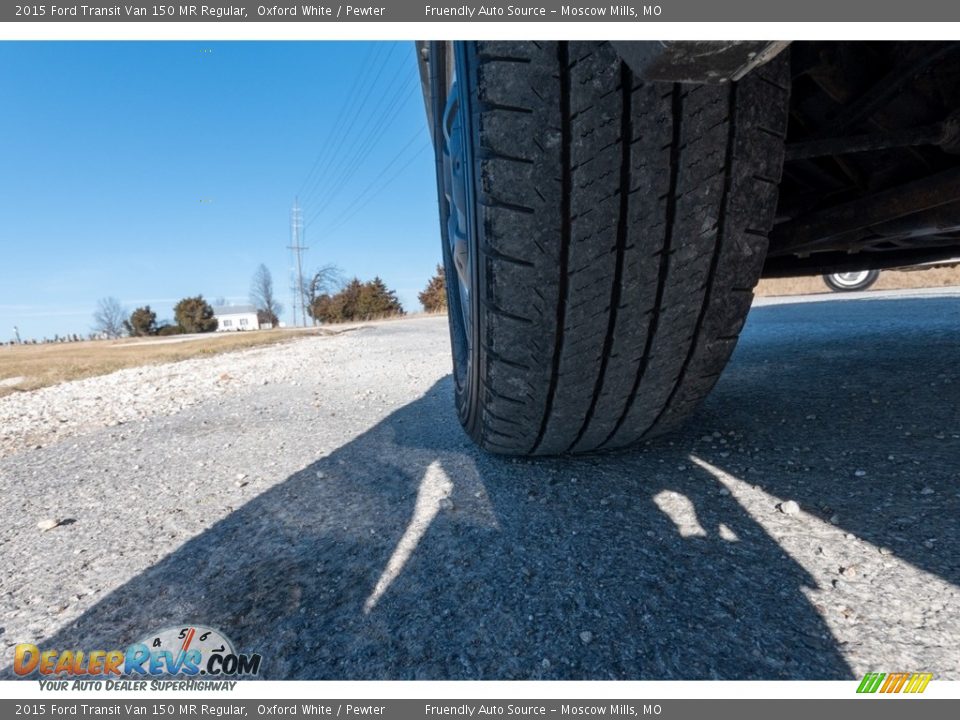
[(490, 154), (714, 261), (497, 255), (485, 57), (677, 107), (623, 220), (493, 354), (566, 184), (504, 313), (488, 105), (490, 202)]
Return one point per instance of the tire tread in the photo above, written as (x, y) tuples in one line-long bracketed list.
[(622, 226)]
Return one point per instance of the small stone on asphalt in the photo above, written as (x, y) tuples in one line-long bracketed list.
[(789, 507)]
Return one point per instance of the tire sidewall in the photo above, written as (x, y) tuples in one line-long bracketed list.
[(465, 350)]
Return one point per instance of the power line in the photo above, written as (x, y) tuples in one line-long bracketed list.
[(340, 143), (383, 171), (339, 133), (350, 164), (352, 138), (382, 187), (368, 133), (325, 148)]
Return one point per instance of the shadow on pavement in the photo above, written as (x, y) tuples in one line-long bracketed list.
[(845, 386), (409, 554)]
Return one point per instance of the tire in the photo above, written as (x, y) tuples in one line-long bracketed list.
[(609, 235), (850, 281)]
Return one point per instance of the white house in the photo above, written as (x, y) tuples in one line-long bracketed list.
[(232, 318)]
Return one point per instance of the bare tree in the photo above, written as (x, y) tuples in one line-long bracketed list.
[(262, 295), (109, 316), (326, 280)]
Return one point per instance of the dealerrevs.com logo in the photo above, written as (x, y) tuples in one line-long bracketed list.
[(190, 651)]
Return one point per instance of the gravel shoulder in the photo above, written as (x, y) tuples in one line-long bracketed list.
[(52, 414), (803, 525)]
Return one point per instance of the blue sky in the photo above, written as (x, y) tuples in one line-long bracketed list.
[(151, 171)]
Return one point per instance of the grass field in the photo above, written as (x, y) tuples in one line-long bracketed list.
[(42, 365)]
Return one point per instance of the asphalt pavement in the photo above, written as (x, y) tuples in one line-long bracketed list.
[(336, 520)]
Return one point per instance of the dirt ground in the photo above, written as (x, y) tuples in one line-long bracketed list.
[(889, 280)]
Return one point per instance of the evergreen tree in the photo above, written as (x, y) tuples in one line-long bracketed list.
[(434, 296), (377, 301), (356, 301), (322, 309), (143, 321), (195, 315), (346, 303)]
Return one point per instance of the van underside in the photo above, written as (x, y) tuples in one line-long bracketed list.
[(871, 178)]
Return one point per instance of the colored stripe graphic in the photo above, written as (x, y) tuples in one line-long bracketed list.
[(894, 682), (919, 682), (901, 679), (870, 682)]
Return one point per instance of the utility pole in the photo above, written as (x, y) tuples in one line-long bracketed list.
[(296, 237)]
